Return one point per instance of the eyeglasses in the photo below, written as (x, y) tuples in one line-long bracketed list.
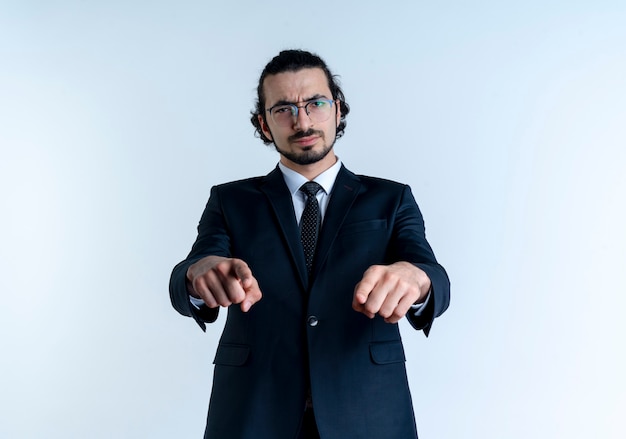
[(318, 110)]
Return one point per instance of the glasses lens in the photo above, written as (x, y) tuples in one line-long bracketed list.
[(318, 110), (284, 114)]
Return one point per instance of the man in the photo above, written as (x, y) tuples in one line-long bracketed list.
[(315, 278)]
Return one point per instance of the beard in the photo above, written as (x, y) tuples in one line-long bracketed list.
[(307, 156)]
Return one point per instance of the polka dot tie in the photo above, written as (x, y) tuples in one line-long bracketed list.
[(310, 222)]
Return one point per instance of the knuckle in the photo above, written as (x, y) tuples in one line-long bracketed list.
[(239, 264), (397, 314), (370, 308), (221, 267), (385, 313), (209, 300), (376, 269)]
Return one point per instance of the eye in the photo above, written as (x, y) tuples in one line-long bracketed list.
[(317, 106), (282, 110)]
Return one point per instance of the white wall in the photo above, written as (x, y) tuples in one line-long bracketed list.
[(508, 119)]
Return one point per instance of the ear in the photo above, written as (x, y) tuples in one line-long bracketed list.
[(265, 128), (338, 115)]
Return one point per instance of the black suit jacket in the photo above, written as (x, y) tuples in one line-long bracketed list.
[(306, 329)]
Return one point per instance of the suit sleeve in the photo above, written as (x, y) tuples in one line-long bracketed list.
[(213, 239), (409, 244)]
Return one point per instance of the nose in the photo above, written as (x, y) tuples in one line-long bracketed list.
[(302, 121)]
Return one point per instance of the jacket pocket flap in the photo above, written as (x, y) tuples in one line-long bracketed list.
[(231, 355), (387, 352)]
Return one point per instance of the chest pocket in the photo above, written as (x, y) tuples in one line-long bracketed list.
[(363, 226)]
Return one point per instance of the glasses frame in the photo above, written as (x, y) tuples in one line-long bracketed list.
[(294, 114)]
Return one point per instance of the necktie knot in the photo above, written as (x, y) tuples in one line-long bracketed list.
[(310, 188)]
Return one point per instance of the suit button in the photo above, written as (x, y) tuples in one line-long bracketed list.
[(312, 321)]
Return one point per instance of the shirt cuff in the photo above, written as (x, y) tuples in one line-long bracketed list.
[(196, 302), (419, 308)]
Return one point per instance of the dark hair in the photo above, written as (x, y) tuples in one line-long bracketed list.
[(293, 61)]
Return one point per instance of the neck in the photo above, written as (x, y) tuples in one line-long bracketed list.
[(312, 170)]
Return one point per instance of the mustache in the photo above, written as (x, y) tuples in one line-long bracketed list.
[(307, 133)]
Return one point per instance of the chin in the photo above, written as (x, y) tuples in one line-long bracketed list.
[(307, 155)]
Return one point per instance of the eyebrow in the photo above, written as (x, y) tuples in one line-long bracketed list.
[(312, 98)]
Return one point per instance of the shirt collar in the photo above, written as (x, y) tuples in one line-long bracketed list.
[(295, 180)]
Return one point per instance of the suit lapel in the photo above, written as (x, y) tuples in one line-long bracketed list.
[(279, 197), (344, 192)]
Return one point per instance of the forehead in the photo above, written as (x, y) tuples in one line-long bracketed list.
[(295, 86)]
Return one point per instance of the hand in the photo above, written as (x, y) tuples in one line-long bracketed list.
[(390, 290), (222, 281)]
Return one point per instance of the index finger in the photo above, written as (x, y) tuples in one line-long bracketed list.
[(362, 292), (365, 287), (243, 273)]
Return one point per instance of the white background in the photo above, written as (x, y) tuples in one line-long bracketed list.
[(508, 120)]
